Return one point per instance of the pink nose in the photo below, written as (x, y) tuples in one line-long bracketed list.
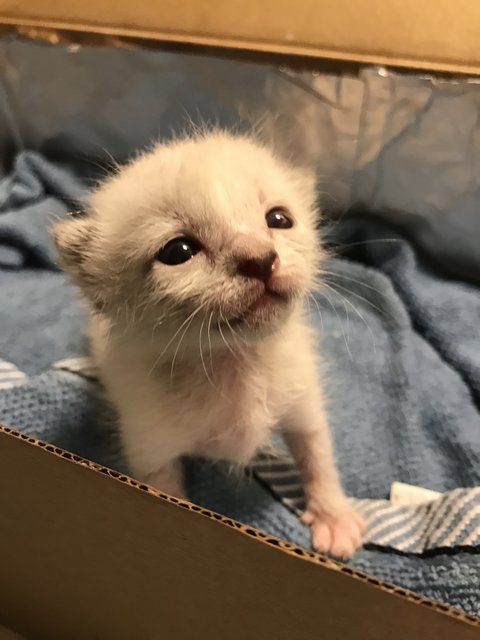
[(259, 268)]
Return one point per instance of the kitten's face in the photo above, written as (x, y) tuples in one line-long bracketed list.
[(204, 236)]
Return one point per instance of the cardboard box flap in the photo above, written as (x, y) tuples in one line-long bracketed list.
[(441, 35), (88, 553)]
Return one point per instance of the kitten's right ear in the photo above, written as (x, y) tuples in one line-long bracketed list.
[(74, 239)]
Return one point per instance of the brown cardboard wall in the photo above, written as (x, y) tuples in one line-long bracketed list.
[(433, 34), (84, 555), (6, 634)]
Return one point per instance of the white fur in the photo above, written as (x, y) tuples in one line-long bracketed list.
[(182, 377)]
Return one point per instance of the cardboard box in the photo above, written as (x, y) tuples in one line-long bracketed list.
[(88, 553), (437, 35)]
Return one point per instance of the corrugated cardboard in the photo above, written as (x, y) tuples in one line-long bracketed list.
[(428, 34), (87, 553)]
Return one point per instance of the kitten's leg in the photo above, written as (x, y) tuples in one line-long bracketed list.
[(336, 527), (168, 479), (153, 454)]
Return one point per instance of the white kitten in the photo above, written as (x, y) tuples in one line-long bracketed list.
[(196, 260)]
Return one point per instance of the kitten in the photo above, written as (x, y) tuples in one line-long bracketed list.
[(196, 260)]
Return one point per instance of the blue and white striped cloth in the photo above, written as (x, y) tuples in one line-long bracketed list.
[(10, 375), (450, 520)]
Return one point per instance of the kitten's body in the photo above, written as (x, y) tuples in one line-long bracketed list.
[(225, 407), (211, 356)]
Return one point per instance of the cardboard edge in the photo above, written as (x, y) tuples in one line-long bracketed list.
[(281, 545), (57, 32)]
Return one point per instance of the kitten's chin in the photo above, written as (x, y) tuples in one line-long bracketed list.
[(263, 317)]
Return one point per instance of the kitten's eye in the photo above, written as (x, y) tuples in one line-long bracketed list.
[(278, 218), (178, 250)]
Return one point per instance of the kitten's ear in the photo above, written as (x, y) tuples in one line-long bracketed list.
[(73, 239)]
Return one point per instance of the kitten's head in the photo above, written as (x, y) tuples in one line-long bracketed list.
[(210, 234)]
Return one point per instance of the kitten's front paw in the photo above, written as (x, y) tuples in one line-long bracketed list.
[(338, 533)]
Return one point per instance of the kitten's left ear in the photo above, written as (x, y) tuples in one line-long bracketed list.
[(74, 240)]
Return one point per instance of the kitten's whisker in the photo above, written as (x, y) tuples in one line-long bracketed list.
[(347, 245), (125, 318), (359, 315), (134, 314), (234, 335), (332, 224), (310, 295), (339, 321), (157, 360), (114, 163), (223, 337), (350, 279), (335, 285), (201, 351), (143, 308), (178, 346), (155, 326), (209, 326), (348, 319)]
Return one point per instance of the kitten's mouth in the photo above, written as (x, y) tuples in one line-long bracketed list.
[(264, 309)]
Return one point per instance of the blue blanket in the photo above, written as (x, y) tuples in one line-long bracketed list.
[(403, 386)]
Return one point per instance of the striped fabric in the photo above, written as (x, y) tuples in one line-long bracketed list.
[(81, 366), (10, 376), (451, 520)]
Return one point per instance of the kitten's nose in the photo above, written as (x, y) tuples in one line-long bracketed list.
[(260, 267)]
